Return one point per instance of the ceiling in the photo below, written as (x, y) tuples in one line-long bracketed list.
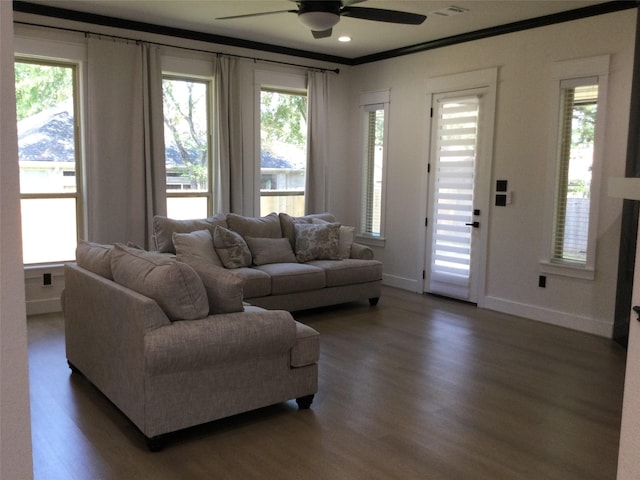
[(285, 30)]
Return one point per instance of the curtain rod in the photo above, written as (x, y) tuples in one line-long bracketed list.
[(200, 50)]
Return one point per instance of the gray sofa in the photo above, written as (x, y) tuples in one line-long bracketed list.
[(172, 347), (287, 263)]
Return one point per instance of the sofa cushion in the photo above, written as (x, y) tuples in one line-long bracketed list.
[(287, 223), (223, 287), (231, 248), (175, 286), (95, 257), (164, 227), (198, 244), (347, 237), (317, 242), (264, 227), (349, 271), (256, 283), (293, 277), (270, 250)]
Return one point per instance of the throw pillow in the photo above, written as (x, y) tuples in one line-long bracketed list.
[(95, 257), (175, 286), (198, 244), (231, 248), (224, 288), (317, 242), (271, 250), (164, 227), (347, 237), (262, 227)]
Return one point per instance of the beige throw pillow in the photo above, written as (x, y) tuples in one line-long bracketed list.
[(95, 257), (175, 286), (224, 288), (231, 248), (198, 244), (271, 250)]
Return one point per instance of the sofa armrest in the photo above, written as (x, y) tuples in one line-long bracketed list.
[(219, 339), (361, 252)]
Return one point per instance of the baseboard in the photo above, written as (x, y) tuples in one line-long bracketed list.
[(400, 282), (553, 317), (48, 305)]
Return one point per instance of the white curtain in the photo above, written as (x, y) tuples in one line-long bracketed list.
[(125, 158), (317, 142), (229, 179)]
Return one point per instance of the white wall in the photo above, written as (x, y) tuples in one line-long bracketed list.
[(524, 115), (15, 429)]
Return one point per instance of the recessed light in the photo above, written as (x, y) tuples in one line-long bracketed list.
[(344, 38)]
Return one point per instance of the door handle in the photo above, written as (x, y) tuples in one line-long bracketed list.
[(473, 224)]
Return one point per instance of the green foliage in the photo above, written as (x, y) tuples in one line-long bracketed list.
[(584, 124), (283, 118), (185, 115), (40, 87)]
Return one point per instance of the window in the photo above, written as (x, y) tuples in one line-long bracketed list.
[(49, 159), (371, 224), (283, 151), (581, 92), (187, 146), (579, 108)]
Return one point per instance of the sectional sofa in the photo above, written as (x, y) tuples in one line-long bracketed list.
[(198, 330)]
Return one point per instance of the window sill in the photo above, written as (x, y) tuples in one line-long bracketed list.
[(568, 270), (370, 241)]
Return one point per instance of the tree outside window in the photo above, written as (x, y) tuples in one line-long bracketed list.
[(283, 151), (187, 148)]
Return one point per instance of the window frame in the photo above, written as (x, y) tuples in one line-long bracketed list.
[(77, 71), (208, 193), (370, 102), (562, 72)]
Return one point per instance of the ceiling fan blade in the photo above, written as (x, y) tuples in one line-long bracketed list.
[(382, 15), (321, 33), (348, 3), (255, 14)]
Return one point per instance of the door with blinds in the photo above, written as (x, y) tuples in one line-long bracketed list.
[(459, 187)]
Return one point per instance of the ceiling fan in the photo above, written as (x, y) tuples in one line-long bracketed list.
[(322, 15)]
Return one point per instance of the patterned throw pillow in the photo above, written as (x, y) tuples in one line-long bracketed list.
[(231, 248), (347, 237), (317, 242)]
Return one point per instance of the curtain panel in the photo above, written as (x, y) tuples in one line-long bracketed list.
[(125, 154), (229, 176), (317, 142)]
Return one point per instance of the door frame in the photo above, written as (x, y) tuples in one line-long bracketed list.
[(449, 84)]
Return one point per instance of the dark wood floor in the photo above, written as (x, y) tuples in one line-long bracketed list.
[(416, 388)]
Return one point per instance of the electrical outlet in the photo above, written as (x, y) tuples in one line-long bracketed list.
[(542, 281), (47, 280)]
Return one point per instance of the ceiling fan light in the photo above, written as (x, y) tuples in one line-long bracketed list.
[(319, 21)]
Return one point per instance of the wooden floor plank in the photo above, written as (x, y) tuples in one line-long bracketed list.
[(417, 387)]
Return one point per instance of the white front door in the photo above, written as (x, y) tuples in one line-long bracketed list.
[(459, 186)]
